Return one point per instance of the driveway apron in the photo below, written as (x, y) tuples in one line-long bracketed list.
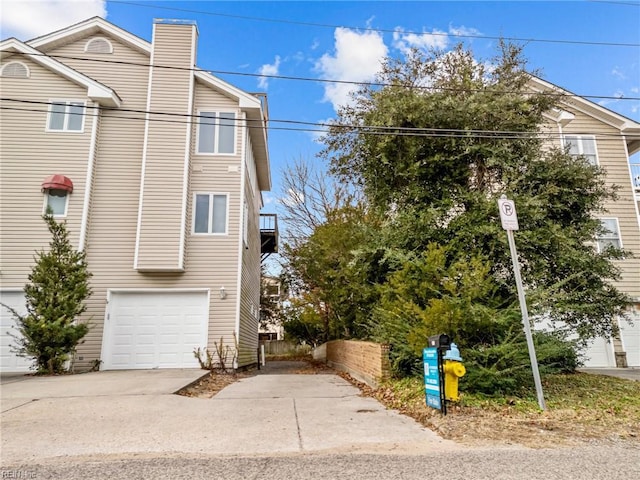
[(267, 413)]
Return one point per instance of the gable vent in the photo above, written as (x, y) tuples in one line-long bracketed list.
[(98, 45), (15, 70)]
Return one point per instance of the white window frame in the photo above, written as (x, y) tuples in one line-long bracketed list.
[(217, 113), (580, 145), (209, 220), (617, 232), (67, 115), (46, 203)]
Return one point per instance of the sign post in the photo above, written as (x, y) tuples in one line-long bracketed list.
[(509, 219), (433, 379), (434, 371)]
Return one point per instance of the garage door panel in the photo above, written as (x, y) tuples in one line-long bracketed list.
[(630, 336), (146, 339), (155, 330), (9, 361), (170, 340), (599, 353)]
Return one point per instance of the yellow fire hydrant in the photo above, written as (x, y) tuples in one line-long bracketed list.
[(453, 370)]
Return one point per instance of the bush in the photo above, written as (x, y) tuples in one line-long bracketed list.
[(505, 368), (55, 295)]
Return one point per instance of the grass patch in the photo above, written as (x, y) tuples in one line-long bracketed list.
[(581, 409)]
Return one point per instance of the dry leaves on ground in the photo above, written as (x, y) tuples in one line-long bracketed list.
[(510, 424), (212, 383)]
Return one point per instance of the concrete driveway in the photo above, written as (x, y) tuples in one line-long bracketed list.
[(22, 389), (136, 412), (632, 373)]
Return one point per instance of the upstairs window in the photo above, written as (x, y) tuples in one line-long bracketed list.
[(57, 189), (584, 146), (15, 70), (56, 201), (610, 238), (66, 116), (217, 133), (210, 213)]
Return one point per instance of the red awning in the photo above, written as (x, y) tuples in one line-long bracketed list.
[(57, 182)]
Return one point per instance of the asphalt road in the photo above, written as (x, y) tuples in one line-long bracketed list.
[(129, 425), (497, 464)]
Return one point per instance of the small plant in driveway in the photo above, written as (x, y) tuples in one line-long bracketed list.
[(204, 357), (55, 296), (222, 353)]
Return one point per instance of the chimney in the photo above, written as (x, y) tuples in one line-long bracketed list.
[(161, 234)]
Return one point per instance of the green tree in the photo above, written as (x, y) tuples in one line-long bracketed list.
[(302, 321), (430, 294), (325, 267), (328, 275), (441, 186), (55, 294)]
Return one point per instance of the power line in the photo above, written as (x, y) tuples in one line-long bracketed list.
[(184, 118), (319, 80), (380, 30), (632, 4)]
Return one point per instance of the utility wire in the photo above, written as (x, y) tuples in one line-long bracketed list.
[(208, 121), (632, 4), (365, 129), (381, 30), (320, 80)]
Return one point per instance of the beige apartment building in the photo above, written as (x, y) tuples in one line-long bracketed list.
[(607, 139), (157, 167)]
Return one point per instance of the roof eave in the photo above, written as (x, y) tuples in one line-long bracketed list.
[(597, 111), (260, 148), (95, 90), (96, 23)]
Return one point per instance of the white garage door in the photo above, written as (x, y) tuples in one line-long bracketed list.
[(9, 361), (599, 353), (154, 330), (630, 336)]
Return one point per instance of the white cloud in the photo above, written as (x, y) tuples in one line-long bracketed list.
[(293, 198), (610, 101), (320, 131), (268, 199), (616, 72), (357, 58), (434, 39), (635, 89), (27, 19), (424, 41), (268, 69), (464, 31)]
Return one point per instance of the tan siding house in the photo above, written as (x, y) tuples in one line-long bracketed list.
[(607, 140), (157, 205)]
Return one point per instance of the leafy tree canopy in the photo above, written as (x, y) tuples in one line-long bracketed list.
[(437, 145)]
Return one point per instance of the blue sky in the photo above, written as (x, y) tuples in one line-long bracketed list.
[(346, 40)]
